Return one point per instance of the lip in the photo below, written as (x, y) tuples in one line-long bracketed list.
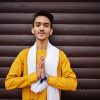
[(41, 33)]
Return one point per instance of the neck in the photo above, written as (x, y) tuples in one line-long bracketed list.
[(42, 45)]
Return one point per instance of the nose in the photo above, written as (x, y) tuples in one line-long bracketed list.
[(41, 28)]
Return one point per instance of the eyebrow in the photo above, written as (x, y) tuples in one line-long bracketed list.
[(40, 23)]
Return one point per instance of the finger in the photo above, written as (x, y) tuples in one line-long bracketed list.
[(42, 73), (42, 58), (43, 69), (41, 63)]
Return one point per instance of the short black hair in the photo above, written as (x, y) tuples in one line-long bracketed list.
[(43, 13)]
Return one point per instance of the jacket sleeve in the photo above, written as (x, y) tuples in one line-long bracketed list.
[(67, 79), (15, 78)]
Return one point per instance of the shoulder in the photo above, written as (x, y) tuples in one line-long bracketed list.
[(63, 56), (23, 53), (62, 53)]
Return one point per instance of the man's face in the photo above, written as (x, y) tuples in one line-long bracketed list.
[(42, 28)]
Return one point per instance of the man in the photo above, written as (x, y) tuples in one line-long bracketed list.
[(42, 70)]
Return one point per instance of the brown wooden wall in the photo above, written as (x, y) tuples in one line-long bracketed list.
[(76, 31)]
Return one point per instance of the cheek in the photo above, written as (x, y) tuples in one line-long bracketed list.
[(35, 30), (48, 30)]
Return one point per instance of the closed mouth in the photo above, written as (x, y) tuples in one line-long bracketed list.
[(41, 33)]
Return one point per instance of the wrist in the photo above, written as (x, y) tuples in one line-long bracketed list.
[(44, 79), (38, 76), (42, 76)]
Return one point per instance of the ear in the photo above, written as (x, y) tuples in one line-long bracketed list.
[(32, 30), (51, 32)]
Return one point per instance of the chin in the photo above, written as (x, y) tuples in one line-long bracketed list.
[(41, 39)]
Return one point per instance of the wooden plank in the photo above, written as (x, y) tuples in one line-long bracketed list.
[(81, 94), (59, 18), (4, 71), (71, 51), (11, 94), (6, 61), (81, 51), (61, 7), (88, 84), (76, 18), (27, 40), (85, 62), (59, 29), (87, 73), (49, 0)]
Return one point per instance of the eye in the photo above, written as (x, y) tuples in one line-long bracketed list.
[(37, 25), (46, 25)]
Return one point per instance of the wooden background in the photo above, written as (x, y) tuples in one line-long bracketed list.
[(76, 31)]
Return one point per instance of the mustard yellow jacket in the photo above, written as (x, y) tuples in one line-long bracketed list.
[(18, 76)]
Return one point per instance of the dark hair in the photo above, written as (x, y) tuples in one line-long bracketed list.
[(43, 13)]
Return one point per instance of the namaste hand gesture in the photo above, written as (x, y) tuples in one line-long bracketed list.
[(41, 68)]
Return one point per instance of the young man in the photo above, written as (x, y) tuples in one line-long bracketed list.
[(42, 70)]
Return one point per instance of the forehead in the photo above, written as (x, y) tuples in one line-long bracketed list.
[(42, 19)]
